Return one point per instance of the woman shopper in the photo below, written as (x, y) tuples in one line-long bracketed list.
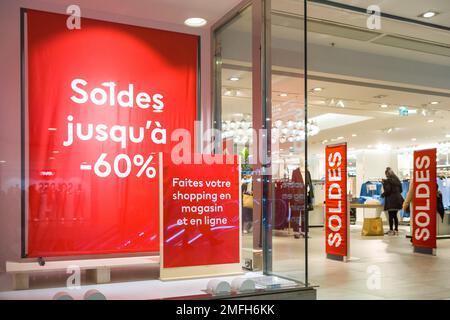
[(393, 199)]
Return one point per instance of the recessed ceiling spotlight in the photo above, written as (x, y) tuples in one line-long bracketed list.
[(384, 106), (413, 139), (434, 102), (340, 104), (195, 22), (354, 135), (428, 14), (283, 95), (430, 121), (339, 138), (235, 79), (318, 89)]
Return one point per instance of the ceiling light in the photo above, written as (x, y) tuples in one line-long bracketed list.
[(2, 161), (195, 22), (389, 130), (318, 89), (339, 138), (283, 95), (413, 139), (354, 135), (447, 135), (434, 102), (340, 104), (384, 106), (428, 14), (234, 79), (430, 121), (51, 129)]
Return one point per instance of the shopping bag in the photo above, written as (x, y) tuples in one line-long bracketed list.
[(372, 227), (247, 201)]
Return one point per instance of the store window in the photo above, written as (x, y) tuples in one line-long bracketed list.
[(233, 117), (260, 107)]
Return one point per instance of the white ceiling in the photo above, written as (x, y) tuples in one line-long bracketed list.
[(362, 122), (362, 114), (409, 8)]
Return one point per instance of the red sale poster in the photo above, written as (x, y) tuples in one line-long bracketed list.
[(336, 241), (424, 199), (102, 102), (201, 213)]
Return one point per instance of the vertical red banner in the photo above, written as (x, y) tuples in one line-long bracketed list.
[(102, 102), (336, 227), (201, 213), (424, 199)]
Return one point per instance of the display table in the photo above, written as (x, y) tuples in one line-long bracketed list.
[(377, 207)]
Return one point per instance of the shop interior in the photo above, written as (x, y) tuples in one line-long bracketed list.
[(383, 92)]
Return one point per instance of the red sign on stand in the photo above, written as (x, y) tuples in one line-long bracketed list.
[(424, 200), (102, 102), (200, 215), (336, 228)]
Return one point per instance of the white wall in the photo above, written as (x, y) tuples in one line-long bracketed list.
[(10, 214)]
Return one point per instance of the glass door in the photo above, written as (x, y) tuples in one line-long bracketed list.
[(260, 114)]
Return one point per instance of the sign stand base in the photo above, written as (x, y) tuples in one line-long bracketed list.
[(430, 251), (337, 258)]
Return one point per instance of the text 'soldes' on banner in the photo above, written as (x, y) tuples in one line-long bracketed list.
[(424, 199), (201, 213), (102, 102), (336, 200)]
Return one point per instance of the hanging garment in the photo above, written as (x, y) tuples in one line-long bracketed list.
[(440, 206), (282, 196), (310, 191), (371, 189), (297, 202), (405, 187), (446, 193)]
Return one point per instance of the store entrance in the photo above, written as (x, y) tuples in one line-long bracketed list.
[(385, 100)]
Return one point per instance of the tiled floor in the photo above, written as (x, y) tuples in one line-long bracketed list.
[(387, 261)]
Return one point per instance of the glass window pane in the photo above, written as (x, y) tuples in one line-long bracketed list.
[(291, 185), (233, 61)]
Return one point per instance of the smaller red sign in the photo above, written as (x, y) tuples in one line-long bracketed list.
[(424, 199), (336, 200), (201, 212)]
